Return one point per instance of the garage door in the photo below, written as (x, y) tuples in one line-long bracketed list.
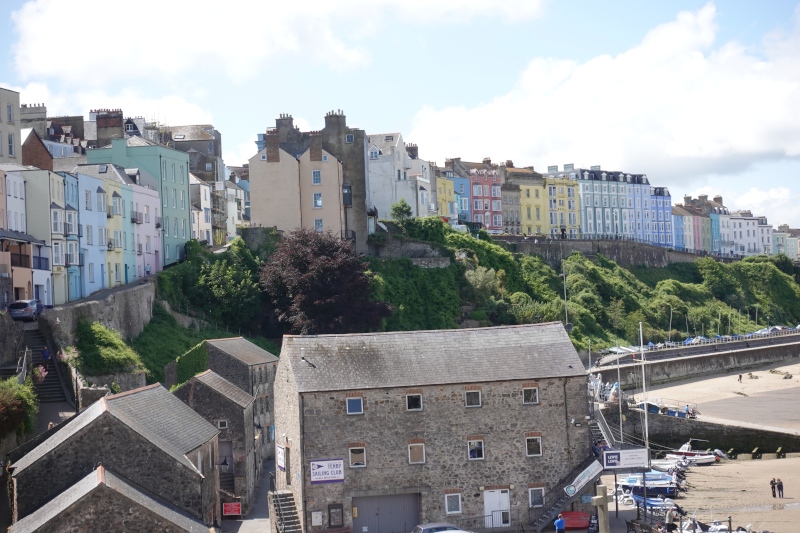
[(398, 513)]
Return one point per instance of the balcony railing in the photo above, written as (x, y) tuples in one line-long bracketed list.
[(20, 260), (73, 229), (138, 249), (348, 235), (109, 212), (158, 222), (73, 259), (137, 217), (41, 263)]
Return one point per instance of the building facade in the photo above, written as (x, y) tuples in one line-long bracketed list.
[(485, 191), (10, 142), (406, 435)]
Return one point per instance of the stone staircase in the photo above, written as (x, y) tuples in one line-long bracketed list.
[(557, 499), (50, 390), (286, 519), (227, 482)]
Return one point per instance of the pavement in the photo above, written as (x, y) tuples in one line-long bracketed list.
[(258, 519)]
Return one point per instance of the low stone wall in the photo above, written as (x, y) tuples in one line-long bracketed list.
[(127, 311), (431, 262), (11, 333), (698, 365), (125, 382)]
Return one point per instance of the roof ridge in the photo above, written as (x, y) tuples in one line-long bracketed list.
[(129, 392), (436, 331)]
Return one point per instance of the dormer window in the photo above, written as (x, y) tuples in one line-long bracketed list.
[(389, 138), (373, 153)]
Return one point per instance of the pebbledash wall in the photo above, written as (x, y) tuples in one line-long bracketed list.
[(444, 426)]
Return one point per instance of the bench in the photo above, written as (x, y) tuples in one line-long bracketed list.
[(731, 454), (780, 454), (755, 453)]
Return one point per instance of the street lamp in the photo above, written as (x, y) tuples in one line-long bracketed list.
[(670, 324)]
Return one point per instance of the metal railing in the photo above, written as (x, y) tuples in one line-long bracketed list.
[(348, 235), (158, 222), (22, 365), (504, 520), (41, 263), (556, 498), (20, 260)]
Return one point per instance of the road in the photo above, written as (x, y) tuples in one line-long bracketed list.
[(258, 519)]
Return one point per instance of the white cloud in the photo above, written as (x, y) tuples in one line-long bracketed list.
[(676, 106), (166, 40)]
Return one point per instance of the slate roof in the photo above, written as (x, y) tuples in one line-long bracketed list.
[(193, 132), (224, 387), (7, 234), (680, 211), (417, 358), (151, 411), (243, 350), (379, 140), (112, 173), (92, 482)]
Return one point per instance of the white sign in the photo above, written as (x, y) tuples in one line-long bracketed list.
[(280, 458), (327, 471), (633, 458), (583, 478)]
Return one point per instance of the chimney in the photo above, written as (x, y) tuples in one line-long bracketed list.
[(687, 200), (273, 147), (284, 124), (718, 199), (316, 146), (412, 150), (487, 160), (509, 163), (703, 198)]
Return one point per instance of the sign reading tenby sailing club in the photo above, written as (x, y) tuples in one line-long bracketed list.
[(583, 478), (327, 471), (633, 458)]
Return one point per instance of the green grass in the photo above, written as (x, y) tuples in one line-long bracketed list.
[(683, 272), (102, 351), (163, 340)]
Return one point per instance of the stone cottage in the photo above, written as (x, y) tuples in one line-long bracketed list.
[(230, 409), (252, 369), (146, 436), (382, 431), (103, 501)]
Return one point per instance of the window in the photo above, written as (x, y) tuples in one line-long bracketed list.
[(316, 177), (496, 205), (318, 225), (496, 191), (208, 167), (416, 454), (373, 153), (414, 402), (222, 424), (355, 406), (263, 157), (175, 230), (58, 258), (358, 457), (91, 272), (530, 395), (11, 144), (475, 449), (533, 446), (173, 172), (324, 158), (472, 398), (349, 138), (497, 220), (174, 199), (56, 222), (166, 252), (317, 200), (183, 228), (10, 112), (116, 272), (452, 503), (536, 497), (165, 195)]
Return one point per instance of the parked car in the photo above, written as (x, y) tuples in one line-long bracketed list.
[(435, 527), (25, 309)]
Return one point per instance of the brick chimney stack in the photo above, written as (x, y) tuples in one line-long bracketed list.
[(273, 146), (315, 148), (718, 199), (412, 150)]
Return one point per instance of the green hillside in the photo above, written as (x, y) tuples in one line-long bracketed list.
[(605, 302)]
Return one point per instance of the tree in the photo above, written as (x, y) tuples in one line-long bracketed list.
[(232, 294), (318, 285), (400, 211)]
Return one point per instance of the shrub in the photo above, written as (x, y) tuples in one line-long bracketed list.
[(479, 315), (18, 407), (192, 362), (102, 351)]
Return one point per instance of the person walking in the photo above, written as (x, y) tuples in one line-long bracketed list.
[(772, 485), (779, 484), (560, 524), (147, 271), (740, 378), (46, 358), (669, 520)]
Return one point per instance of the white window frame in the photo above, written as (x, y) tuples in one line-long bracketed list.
[(91, 272), (222, 424), (523, 395), (421, 406), (480, 445), (424, 457), (466, 398), (360, 401), (447, 500), (349, 138), (540, 446), (317, 199), (11, 152), (316, 177), (350, 456), (531, 491)]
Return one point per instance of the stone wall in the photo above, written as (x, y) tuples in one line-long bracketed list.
[(11, 333), (626, 254), (126, 381), (431, 262), (127, 311), (396, 248), (697, 365), (444, 426), (257, 237)]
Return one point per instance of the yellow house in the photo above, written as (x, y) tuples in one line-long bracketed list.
[(445, 198), (533, 208), (563, 208)]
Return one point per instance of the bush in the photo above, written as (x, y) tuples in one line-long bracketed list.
[(479, 315), (102, 351), (192, 362), (18, 407)]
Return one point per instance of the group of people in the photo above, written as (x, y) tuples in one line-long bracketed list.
[(777, 486)]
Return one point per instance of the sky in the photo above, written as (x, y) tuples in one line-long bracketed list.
[(703, 97)]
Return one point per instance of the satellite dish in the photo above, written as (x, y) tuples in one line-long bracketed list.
[(568, 327)]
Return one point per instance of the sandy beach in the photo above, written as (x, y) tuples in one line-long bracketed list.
[(740, 488)]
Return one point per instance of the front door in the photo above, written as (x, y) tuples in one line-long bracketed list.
[(398, 513), (497, 508)]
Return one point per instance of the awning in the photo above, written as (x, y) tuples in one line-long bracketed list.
[(18, 236)]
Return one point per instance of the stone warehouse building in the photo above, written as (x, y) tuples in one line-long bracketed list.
[(380, 432), (230, 409), (146, 436)]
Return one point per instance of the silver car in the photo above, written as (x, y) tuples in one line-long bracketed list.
[(435, 527), (25, 309)]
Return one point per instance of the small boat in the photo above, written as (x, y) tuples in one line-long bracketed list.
[(654, 489), (687, 451), (699, 460), (655, 503)]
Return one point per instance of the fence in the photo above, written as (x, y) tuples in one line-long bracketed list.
[(23, 364), (504, 520)]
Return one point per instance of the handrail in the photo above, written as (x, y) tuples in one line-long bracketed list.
[(603, 425), (554, 495), (22, 366), (281, 523)]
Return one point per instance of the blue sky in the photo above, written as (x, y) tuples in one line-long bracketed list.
[(703, 97)]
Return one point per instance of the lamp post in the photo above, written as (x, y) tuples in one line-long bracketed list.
[(756, 315), (670, 324)]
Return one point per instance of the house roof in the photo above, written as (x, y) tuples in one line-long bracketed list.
[(151, 411), (680, 211), (243, 350), (231, 185), (224, 388), (192, 132), (112, 172), (96, 480), (194, 180), (417, 358), (9, 235), (379, 140)]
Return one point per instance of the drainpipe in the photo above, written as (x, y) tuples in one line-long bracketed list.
[(567, 423)]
